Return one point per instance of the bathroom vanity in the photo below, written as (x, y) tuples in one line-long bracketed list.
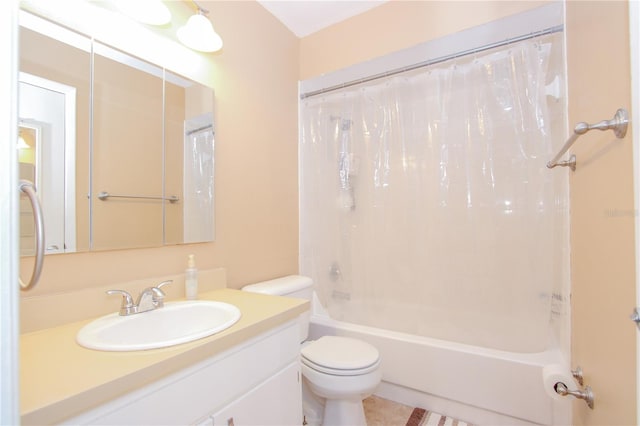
[(247, 374)]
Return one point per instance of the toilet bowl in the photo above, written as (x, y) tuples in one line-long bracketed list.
[(343, 371), (338, 372)]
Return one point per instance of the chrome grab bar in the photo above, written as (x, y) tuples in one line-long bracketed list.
[(30, 190), (105, 195), (618, 124)]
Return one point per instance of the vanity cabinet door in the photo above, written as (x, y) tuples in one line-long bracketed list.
[(277, 402)]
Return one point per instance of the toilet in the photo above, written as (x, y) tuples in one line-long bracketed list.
[(338, 372)]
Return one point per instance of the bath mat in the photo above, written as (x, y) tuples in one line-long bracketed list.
[(422, 417)]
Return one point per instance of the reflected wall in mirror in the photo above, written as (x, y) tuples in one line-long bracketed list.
[(28, 153), (146, 140), (54, 94), (127, 151)]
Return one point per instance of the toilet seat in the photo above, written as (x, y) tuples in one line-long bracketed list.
[(340, 356)]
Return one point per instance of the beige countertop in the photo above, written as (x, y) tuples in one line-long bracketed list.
[(60, 379)]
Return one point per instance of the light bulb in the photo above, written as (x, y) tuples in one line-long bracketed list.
[(198, 34)]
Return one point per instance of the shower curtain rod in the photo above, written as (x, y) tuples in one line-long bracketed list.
[(199, 129), (440, 59)]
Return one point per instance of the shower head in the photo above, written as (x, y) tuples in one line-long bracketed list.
[(345, 123)]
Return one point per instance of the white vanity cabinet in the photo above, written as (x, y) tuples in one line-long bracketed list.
[(267, 405), (256, 382)]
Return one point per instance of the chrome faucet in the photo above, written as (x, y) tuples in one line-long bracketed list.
[(149, 299)]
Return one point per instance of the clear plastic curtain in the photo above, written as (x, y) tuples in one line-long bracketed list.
[(199, 185), (426, 206)]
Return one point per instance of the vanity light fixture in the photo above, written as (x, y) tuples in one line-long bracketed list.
[(152, 12), (198, 33)]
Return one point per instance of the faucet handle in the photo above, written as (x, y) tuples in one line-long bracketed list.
[(158, 294), (127, 305), (163, 283)]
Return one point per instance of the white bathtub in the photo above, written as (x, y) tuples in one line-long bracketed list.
[(474, 384)]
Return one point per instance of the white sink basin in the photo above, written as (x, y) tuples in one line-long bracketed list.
[(175, 323)]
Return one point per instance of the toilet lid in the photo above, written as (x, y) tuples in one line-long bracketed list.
[(340, 355)]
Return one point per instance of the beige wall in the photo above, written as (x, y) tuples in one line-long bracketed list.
[(602, 227), (393, 26), (256, 167)]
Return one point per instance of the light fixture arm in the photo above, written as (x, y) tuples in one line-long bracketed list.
[(201, 10)]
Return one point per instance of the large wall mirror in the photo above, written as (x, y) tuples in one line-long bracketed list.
[(121, 150)]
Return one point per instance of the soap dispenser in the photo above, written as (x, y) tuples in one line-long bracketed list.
[(191, 279)]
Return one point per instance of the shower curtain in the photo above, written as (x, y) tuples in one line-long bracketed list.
[(198, 205), (426, 206)]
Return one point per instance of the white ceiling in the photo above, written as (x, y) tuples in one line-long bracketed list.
[(304, 17)]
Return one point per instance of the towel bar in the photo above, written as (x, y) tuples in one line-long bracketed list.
[(104, 195), (618, 124)]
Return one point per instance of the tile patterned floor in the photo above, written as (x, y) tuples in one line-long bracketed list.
[(382, 412)]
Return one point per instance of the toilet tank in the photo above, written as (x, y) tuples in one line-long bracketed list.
[(290, 286)]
